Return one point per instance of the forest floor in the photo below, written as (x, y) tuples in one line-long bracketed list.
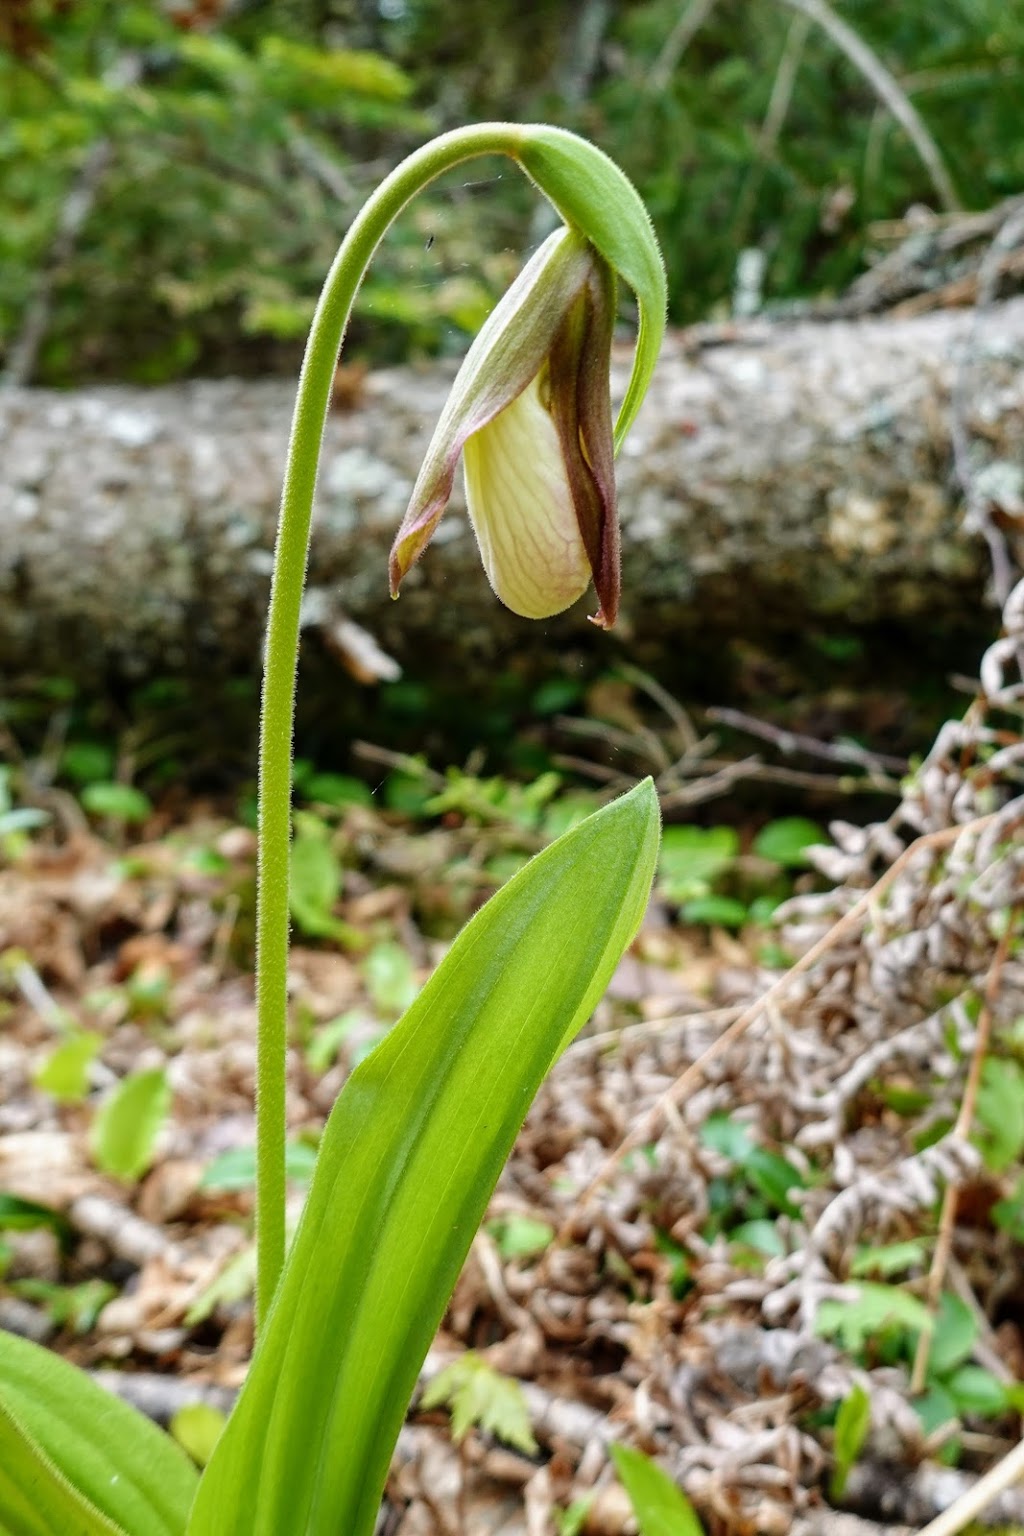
[(719, 1235)]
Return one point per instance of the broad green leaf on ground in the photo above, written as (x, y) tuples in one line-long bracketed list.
[(975, 1390), (315, 882), (570, 1522), (761, 1235), (408, 1160), (936, 1408), (692, 857), (336, 789), (787, 840), (1000, 1115), (57, 1426), (87, 761), (197, 1427), (954, 1335), (69, 1306), (889, 1259), (520, 1237), (121, 802), (126, 1127), (322, 1050), (236, 1168), (773, 1176), (870, 1310), (235, 1282), (715, 911), (721, 1133), (661, 1509), (482, 1398), (390, 978)]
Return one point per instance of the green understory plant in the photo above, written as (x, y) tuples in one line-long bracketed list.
[(881, 1324), (658, 1505), (417, 1139)]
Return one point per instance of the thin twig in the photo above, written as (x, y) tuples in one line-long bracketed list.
[(588, 770), (949, 231), (400, 762), (961, 1130), (36, 993), (688, 737), (753, 768), (888, 88), (970, 1505), (790, 742), (715, 780), (642, 742), (691, 18), (644, 1028)]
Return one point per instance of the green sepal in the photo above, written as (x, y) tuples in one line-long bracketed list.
[(593, 195), (407, 1164), (69, 1449)]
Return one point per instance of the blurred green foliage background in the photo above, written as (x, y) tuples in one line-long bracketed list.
[(175, 177)]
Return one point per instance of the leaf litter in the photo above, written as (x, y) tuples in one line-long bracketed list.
[(716, 1238)]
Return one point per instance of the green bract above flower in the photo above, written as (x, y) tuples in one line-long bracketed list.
[(531, 412)]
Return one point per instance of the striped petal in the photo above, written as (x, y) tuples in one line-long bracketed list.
[(521, 506), (530, 411)]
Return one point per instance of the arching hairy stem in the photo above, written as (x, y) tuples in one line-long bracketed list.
[(281, 665), (590, 193)]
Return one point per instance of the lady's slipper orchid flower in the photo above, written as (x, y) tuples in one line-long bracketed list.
[(530, 411)]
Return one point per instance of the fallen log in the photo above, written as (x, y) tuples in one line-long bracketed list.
[(781, 477)]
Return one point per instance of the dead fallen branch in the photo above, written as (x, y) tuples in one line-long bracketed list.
[(776, 479)]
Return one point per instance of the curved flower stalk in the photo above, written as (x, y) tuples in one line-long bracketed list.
[(568, 310)]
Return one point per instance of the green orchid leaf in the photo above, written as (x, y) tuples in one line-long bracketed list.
[(592, 194), (78, 1461), (407, 1164), (35, 1500)]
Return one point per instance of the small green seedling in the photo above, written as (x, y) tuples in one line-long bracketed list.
[(661, 1509), (852, 1424), (481, 1398)]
